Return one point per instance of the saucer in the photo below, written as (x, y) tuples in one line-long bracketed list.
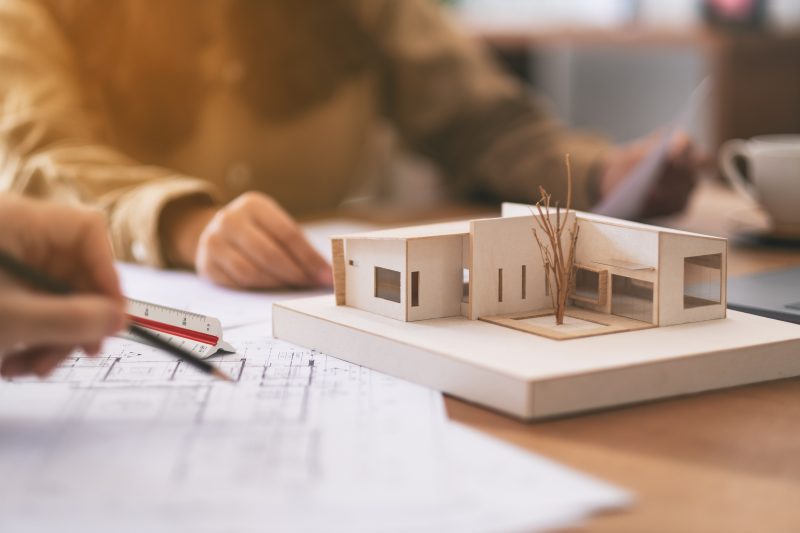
[(777, 237), (753, 227)]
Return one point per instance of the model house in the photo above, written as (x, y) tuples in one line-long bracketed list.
[(627, 275)]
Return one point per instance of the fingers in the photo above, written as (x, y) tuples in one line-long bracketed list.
[(674, 187), (40, 361), (678, 173), (28, 319), (98, 257), (277, 223), (681, 144), (684, 153), (216, 273), (70, 244), (67, 242), (239, 268), (244, 273), (92, 348), (269, 256), (223, 263), (697, 160), (253, 243)]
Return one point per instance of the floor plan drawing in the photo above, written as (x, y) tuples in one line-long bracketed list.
[(133, 440)]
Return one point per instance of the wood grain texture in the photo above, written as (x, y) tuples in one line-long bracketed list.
[(339, 276), (719, 461), (602, 287), (606, 324)]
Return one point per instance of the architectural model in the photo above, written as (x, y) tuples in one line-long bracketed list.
[(627, 276), (464, 308)]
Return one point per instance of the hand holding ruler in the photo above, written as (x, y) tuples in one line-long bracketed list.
[(187, 336), (199, 334)]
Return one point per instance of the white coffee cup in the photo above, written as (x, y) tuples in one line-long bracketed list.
[(773, 179)]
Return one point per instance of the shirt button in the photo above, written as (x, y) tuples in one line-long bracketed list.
[(139, 251), (239, 176)]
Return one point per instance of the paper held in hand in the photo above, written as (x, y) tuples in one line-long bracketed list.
[(629, 197)]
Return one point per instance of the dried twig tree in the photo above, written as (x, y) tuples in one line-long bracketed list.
[(559, 264)]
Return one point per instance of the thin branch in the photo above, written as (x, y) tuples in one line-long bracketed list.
[(556, 260)]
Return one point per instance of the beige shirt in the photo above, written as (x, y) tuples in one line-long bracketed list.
[(448, 101)]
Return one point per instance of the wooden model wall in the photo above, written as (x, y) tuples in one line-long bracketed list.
[(618, 251), (366, 254), (678, 254), (438, 264), (646, 273), (339, 272), (600, 241), (502, 250)]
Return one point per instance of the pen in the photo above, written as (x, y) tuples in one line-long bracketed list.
[(44, 282)]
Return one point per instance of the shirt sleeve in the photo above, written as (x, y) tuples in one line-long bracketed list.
[(52, 146), (450, 101)]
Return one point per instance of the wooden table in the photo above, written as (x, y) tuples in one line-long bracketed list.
[(723, 461)]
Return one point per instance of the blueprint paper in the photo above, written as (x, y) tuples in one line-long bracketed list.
[(136, 441)]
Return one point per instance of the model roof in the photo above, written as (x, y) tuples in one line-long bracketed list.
[(510, 210), (460, 227)]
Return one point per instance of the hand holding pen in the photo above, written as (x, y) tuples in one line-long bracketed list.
[(60, 290), (38, 330)]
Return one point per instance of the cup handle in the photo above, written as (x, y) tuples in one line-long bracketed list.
[(728, 153)]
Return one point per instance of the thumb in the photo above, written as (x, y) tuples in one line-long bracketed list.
[(39, 319)]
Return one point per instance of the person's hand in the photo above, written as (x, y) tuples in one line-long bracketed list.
[(251, 243), (37, 330), (678, 173)]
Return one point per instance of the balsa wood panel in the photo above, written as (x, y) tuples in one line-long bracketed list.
[(459, 227), (438, 263), (675, 248), (606, 324), (530, 376), (507, 245), (601, 301), (362, 257), (339, 274)]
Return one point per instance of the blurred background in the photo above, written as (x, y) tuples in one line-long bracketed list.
[(628, 67)]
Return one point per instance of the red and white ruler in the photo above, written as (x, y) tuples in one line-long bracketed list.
[(200, 334)]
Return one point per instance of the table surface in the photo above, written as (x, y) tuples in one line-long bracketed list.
[(720, 461)]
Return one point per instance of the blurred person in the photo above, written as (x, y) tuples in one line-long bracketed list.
[(203, 127), (70, 244)]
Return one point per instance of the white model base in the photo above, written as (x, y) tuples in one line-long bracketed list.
[(532, 377)]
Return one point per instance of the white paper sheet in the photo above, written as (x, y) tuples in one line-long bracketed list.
[(319, 233), (190, 293), (135, 441), (233, 308), (628, 198)]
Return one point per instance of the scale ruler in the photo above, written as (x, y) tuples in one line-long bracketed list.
[(200, 334)]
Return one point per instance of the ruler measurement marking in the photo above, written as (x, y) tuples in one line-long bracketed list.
[(177, 331)]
